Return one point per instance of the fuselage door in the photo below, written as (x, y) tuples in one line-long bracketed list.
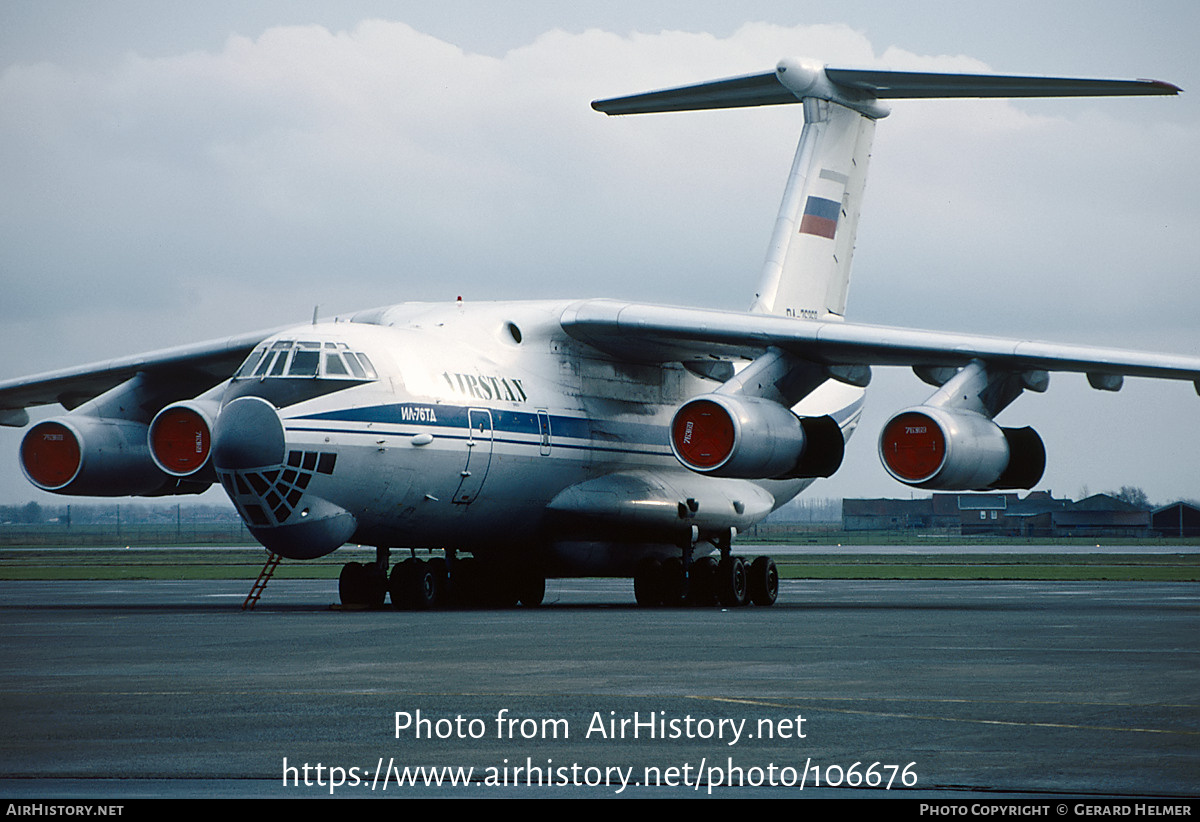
[(544, 431), (479, 455)]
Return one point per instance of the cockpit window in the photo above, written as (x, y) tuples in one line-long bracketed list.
[(265, 365), (366, 364), (305, 364), (334, 367), (306, 359), (352, 361), (248, 366)]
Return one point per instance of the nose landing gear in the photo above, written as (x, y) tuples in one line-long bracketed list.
[(423, 585), (362, 586)]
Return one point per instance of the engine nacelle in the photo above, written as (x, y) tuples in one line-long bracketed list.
[(180, 439), (91, 456), (753, 438), (928, 447)]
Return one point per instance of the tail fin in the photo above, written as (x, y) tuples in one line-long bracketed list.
[(807, 271)]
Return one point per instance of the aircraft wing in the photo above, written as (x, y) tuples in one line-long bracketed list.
[(659, 333), (191, 369)]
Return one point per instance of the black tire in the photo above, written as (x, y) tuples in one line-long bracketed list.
[(375, 586), (400, 584), (731, 582), (673, 583), (702, 583), (764, 581), (531, 589), (439, 567), (427, 586), (352, 585), (501, 587), (647, 586), (464, 584)]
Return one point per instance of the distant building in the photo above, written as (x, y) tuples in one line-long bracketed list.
[(1097, 516), (895, 515), (1006, 514), (1038, 514), (1180, 519)]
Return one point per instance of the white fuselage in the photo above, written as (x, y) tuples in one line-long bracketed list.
[(479, 419)]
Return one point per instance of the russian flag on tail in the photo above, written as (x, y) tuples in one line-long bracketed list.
[(820, 217)]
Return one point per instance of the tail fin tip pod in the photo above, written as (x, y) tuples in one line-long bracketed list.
[(807, 270)]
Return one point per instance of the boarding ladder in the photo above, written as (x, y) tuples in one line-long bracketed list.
[(264, 576)]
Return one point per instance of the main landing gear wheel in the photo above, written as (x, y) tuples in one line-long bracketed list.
[(673, 582), (763, 586), (417, 585), (431, 588), (473, 584), (531, 589), (732, 582), (466, 584), (647, 588), (702, 585)]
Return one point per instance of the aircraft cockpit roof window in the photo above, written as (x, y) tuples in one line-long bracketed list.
[(303, 358)]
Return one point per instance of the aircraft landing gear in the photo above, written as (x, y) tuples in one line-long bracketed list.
[(422, 585), (418, 585), (363, 586), (647, 587), (476, 585), (531, 589), (763, 581), (702, 583), (732, 581)]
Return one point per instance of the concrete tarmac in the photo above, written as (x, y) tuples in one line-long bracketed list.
[(131, 689)]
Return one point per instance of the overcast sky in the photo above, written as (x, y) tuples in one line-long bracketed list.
[(176, 171)]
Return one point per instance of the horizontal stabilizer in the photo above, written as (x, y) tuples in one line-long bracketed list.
[(909, 84), (794, 80), (736, 92)]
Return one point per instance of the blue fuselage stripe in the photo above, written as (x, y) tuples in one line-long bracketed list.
[(633, 438)]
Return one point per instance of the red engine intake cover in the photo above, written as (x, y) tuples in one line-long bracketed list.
[(913, 446), (180, 440), (703, 434), (50, 455)]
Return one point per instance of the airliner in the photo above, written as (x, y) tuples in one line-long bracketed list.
[(491, 446)]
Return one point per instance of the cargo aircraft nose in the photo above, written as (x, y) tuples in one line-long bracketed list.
[(269, 483)]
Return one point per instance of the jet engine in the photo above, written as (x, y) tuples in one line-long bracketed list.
[(92, 456), (929, 447), (754, 438), (180, 438)]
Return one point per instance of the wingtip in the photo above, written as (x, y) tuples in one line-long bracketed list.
[(1164, 87)]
